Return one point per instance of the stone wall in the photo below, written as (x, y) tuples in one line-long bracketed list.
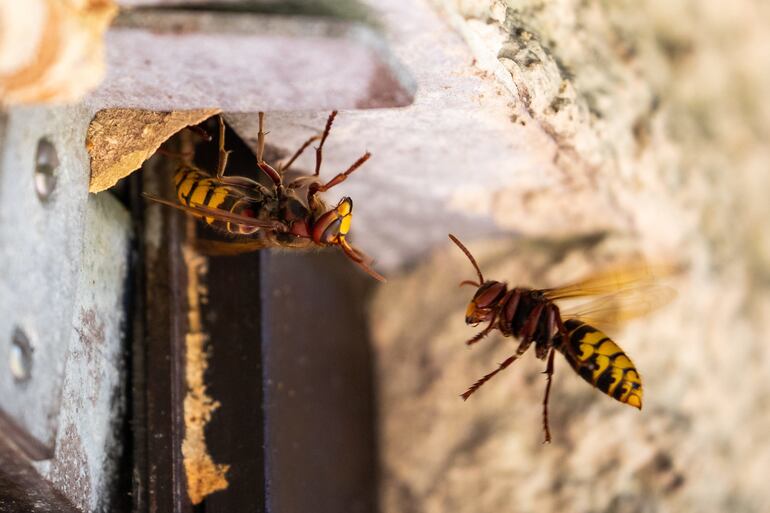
[(659, 123)]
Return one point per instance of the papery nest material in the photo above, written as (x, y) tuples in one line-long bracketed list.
[(120, 140)]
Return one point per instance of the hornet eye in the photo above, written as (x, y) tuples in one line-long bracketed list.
[(332, 231), (488, 294)]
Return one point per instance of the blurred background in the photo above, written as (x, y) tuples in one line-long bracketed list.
[(553, 138)]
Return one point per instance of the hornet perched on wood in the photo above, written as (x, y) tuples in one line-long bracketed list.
[(256, 216), (532, 316)]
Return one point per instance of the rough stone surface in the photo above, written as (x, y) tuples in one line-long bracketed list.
[(245, 62), (465, 155), (655, 125)]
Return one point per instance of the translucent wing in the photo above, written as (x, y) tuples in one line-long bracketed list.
[(612, 310), (222, 215), (246, 186), (229, 248), (619, 278)]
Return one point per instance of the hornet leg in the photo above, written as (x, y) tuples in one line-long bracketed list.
[(239, 181), (563, 333), (284, 167), (531, 325), (544, 343), (223, 154), (319, 150), (520, 351), (549, 374), (264, 166), (315, 188), (483, 333), (318, 156)]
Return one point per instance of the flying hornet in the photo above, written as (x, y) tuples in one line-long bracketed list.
[(532, 316), (256, 216)]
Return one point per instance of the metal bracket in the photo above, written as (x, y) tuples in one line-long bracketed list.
[(64, 256)]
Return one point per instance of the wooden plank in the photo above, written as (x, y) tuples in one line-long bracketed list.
[(319, 401), (158, 353), (232, 317), (288, 362), (22, 488), (235, 434)]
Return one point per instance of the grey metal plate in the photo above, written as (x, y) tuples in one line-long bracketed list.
[(62, 259), (41, 248)]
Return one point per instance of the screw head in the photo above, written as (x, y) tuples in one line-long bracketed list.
[(46, 162), (20, 357)]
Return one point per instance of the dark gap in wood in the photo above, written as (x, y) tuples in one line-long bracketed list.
[(232, 318), (159, 353), (319, 400), (291, 365)]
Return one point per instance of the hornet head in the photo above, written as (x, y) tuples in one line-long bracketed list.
[(331, 229), (488, 295)]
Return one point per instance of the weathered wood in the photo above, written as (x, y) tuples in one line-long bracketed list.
[(319, 401), (22, 488), (158, 375)]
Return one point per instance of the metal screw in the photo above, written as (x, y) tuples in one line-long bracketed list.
[(20, 358), (46, 162)]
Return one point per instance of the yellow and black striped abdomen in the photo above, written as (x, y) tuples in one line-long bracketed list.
[(195, 187), (603, 363)]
